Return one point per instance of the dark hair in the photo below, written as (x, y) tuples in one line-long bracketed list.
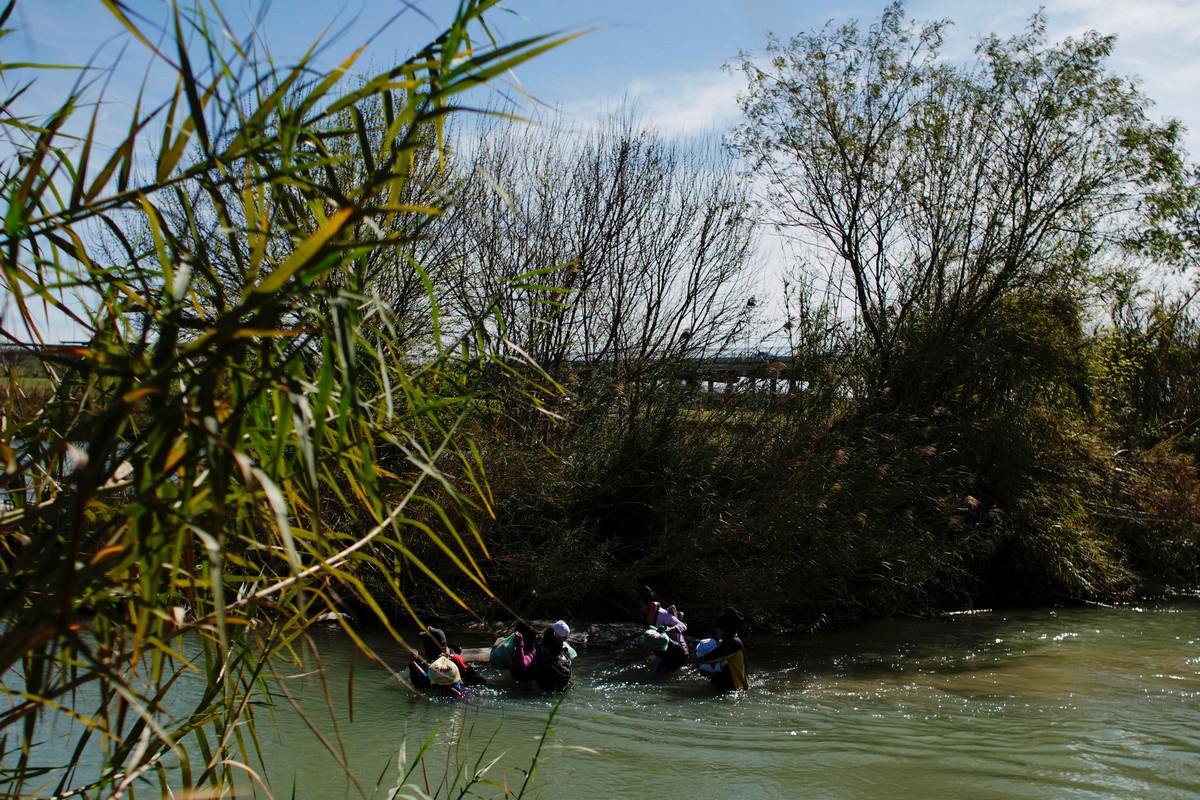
[(548, 636), (647, 594), (731, 621), (434, 641)]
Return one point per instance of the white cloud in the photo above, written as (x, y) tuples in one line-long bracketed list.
[(1168, 20), (1156, 40), (676, 104), (689, 104)]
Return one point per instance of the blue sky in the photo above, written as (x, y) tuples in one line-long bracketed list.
[(665, 54), (668, 54)]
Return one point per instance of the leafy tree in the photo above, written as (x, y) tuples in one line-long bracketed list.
[(940, 191), (1149, 356), (965, 215)]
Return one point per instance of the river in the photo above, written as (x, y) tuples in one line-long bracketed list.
[(1075, 703)]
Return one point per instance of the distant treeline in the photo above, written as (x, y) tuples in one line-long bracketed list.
[(998, 388)]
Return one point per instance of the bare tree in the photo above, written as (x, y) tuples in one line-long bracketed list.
[(646, 243)]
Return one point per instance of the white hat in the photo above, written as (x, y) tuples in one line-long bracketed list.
[(561, 630)]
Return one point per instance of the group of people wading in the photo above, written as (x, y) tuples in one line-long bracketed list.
[(722, 659), (543, 662)]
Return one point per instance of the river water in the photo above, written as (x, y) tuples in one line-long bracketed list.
[(1072, 703)]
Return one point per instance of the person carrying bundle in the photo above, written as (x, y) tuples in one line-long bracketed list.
[(443, 666), (664, 636), (542, 661), (726, 661)]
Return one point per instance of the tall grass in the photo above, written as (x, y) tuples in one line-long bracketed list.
[(168, 504), (463, 772)]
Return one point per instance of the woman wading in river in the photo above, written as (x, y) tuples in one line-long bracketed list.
[(668, 622), (730, 650), (543, 661)]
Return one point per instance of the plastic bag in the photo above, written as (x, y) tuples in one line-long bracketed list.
[(501, 656), (703, 648), (654, 640), (443, 671)]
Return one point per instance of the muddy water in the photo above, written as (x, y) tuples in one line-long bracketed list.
[(1079, 703)]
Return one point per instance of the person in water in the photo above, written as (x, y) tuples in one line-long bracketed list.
[(442, 668), (542, 660), (441, 674), (729, 654), (669, 622), (435, 643)]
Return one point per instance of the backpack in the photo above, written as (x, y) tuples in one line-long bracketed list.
[(551, 674)]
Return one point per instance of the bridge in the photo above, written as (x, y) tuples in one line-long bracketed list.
[(712, 370)]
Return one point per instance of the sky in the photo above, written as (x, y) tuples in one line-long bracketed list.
[(663, 56), (666, 56)]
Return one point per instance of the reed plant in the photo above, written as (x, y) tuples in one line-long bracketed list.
[(464, 772), (168, 507)]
